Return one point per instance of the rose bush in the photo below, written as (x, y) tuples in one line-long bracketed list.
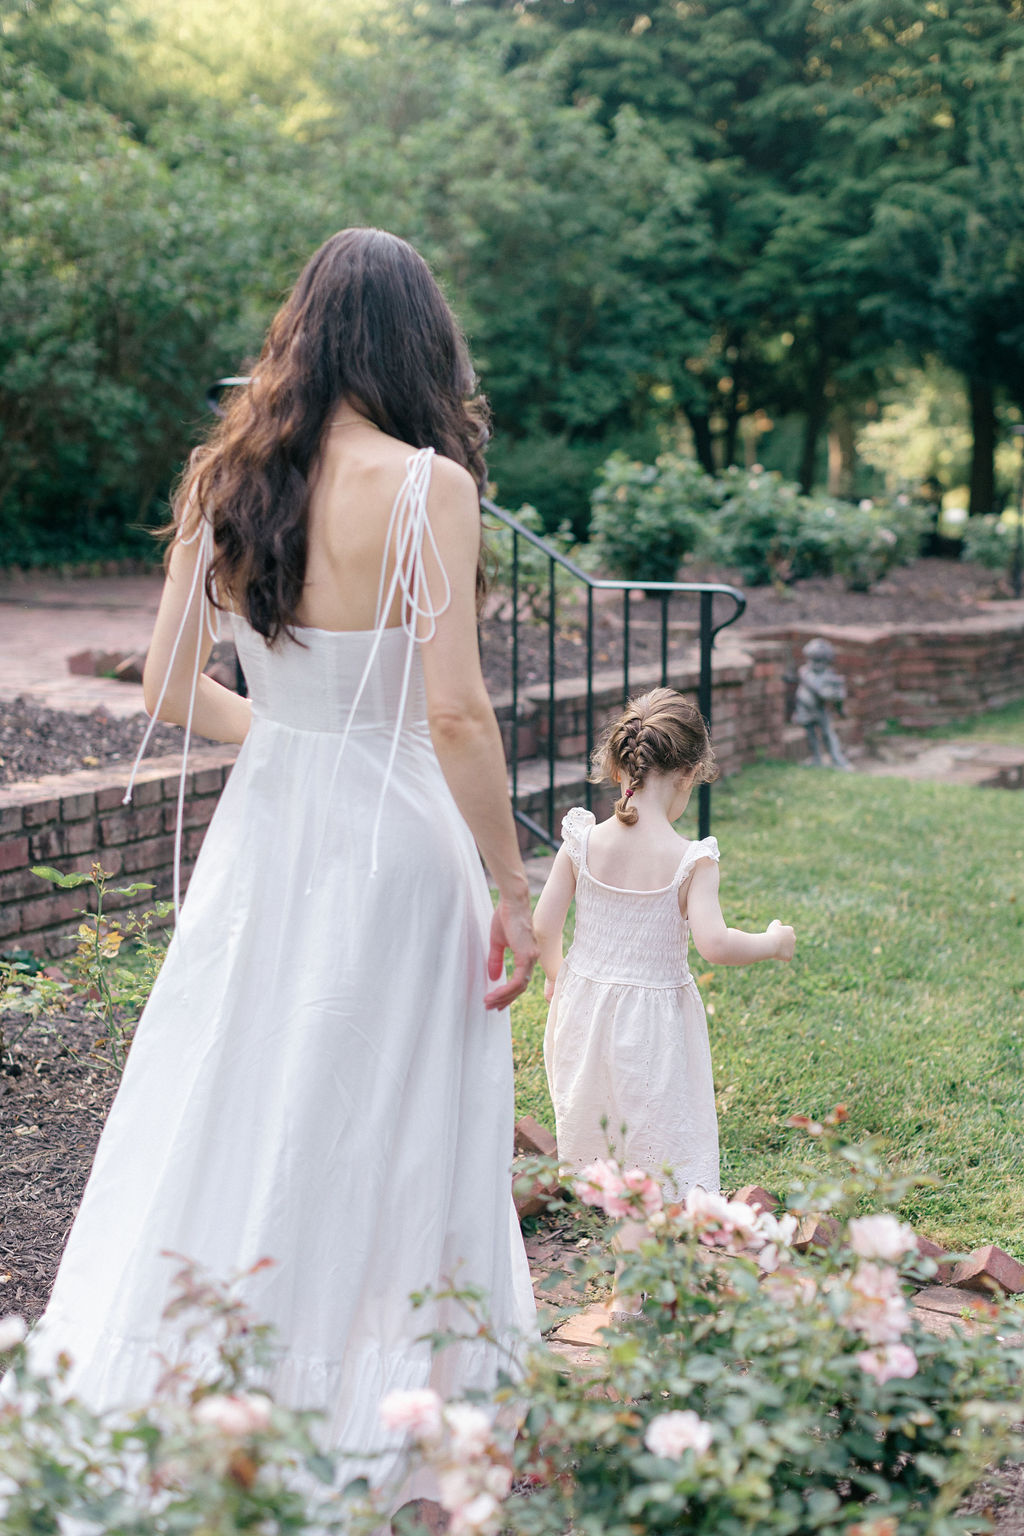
[(762, 1390)]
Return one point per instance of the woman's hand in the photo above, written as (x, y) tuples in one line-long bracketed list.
[(511, 928)]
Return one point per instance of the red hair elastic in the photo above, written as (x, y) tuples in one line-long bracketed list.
[(627, 794)]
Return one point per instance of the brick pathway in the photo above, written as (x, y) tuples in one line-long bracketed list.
[(44, 620)]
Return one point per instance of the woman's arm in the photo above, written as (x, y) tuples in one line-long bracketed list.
[(463, 725), (219, 714), (550, 913), (720, 945)]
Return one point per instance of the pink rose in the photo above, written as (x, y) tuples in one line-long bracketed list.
[(13, 1330), (235, 1413), (480, 1517), (469, 1429), (670, 1434), (881, 1237), (894, 1360), (418, 1412), (644, 1189), (877, 1309)]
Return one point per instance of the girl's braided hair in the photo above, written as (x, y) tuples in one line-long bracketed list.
[(659, 731)]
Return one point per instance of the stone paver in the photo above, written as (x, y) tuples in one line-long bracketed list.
[(44, 620)]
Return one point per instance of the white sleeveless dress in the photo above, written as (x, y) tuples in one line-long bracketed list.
[(315, 1078), (627, 1039)]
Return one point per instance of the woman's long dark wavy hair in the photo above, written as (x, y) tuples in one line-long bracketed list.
[(365, 323)]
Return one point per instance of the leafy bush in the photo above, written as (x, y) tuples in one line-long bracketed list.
[(761, 1390), (988, 541), (648, 517)]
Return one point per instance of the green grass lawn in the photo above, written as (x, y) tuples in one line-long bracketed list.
[(905, 1000), (998, 725)]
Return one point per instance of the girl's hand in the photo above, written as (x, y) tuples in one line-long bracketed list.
[(549, 988), (511, 928), (785, 939)]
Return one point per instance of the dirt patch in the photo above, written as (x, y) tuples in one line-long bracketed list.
[(35, 740), (54, 1099), (930, 591)]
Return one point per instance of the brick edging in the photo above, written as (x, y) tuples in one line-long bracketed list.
[(74, 820)]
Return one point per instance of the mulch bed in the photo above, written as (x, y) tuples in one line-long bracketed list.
[(927, 592), (36, 741), (54, 1099)]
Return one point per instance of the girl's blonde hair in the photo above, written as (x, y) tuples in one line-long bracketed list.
[(659, 731)]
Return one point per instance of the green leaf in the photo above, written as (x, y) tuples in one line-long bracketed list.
[(66, 882)]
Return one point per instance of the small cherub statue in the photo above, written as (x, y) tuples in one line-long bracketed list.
[(819, 685)]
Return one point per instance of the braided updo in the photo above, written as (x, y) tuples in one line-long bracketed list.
[(659, 731)]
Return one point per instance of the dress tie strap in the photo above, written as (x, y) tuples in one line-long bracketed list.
[(208, 625), (408, 532)]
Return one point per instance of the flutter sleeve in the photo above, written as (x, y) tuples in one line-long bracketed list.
[(575, 826), (707, 848)]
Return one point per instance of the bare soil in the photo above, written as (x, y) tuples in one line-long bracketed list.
[(35, 740), (54, 1097)]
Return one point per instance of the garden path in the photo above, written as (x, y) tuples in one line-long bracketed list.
[(45, 619)]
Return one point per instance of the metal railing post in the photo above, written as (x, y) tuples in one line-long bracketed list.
[(664, 591)]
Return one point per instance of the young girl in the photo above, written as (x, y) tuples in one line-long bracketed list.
[(626, 1046)]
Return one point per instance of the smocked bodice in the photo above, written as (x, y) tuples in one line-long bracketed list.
[(311, 683), (637, 938)]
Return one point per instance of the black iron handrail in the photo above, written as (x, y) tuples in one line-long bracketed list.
[(707, 591), (708, 630)]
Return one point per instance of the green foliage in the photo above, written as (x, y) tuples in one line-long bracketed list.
[(695, 217), (206, 1452), (989, 541), (760, 1390), (648, 517), (115, 994)]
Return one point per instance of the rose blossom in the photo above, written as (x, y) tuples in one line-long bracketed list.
[(234, 1413), (13, 1330), (469, 1428), (790, 1287), (877, 1309), (599, 1183), (481, 1515), (881, 1237), (670, 1434), (644, 1189), (457, 1484), (418, 1411), (891, 1361)]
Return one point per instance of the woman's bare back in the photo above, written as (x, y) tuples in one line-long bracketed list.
[(357, 479)]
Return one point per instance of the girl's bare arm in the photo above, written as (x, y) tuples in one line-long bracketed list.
[(720, 945), (550, 913)]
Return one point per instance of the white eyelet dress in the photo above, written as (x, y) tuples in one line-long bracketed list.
[(627, 1039)]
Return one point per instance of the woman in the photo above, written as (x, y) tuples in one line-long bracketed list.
[(319, 1077)]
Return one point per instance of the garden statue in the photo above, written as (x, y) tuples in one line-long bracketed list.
[(819, 686)]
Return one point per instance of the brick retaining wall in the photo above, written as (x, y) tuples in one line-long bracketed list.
[(73, 820), (922, 675), (917, 676)]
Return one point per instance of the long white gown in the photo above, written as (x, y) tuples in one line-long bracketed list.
[(315, 1078)]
